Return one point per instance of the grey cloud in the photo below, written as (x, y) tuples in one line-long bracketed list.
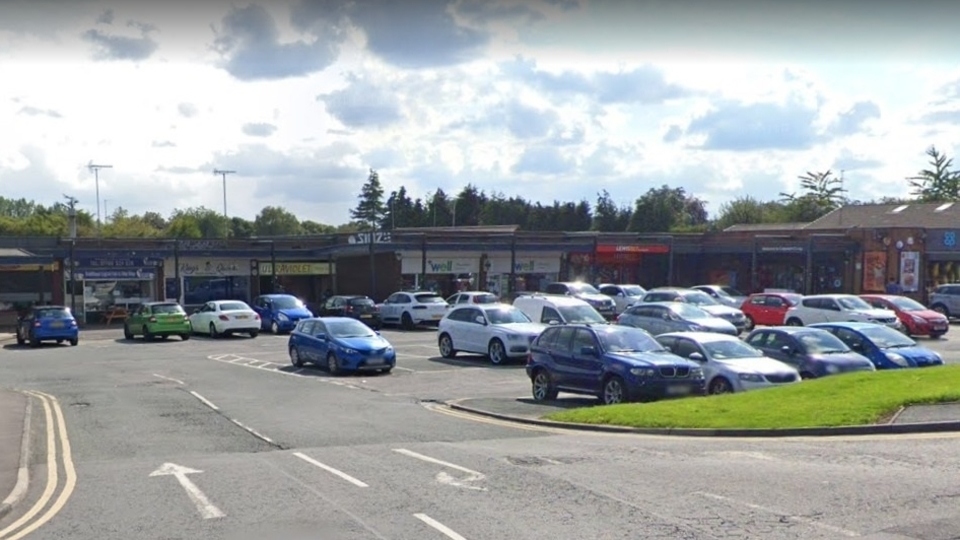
[(259, 129), (163, 144), (673, 134), (485, 11), (741, 126), (34, 111), (542, 160), (942, 117), (566, 5), (177, 169), (106, 17), (187, 110), (527, 122), (384, 157), (567, 136), (362, 104), (113, 47), (602, 162), (852, 121), (250, 43)]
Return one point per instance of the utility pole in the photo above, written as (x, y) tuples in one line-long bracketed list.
[(96, 176), (224, 174), (72, 225)]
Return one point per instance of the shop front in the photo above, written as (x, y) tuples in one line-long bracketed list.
[(204, 279), (102, 285), (309, 281), (643, 264), (24, 284), (939, 264), (446, 273), (533, 271)]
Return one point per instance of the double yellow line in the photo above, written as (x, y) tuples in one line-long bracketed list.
[(56, 437)]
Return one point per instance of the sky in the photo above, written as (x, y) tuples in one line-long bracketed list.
[(545, 99)]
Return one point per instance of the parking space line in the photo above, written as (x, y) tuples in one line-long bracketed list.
[(783, 515), (253, 432), (204, 400), (398, 368), (331, 470), (447, 531), (435, 461), (178, 381)]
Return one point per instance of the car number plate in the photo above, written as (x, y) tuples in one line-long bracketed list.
[(242, 316), (437, 317), (56, 324), (366, 316), (374, 361), (678, 390)]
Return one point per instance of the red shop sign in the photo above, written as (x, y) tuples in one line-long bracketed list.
[(632, 248)]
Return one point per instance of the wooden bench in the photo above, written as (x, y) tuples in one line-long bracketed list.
[(116, 312)]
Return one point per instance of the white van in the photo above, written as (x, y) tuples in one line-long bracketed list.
[(550, 309)]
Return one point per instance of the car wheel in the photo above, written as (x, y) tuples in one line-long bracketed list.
[(59, 342), (750, 324), (941, 309), (213, 331), (34, 342), (254, 334), (164, 337), (614, 391), (184, 337), (936, 335), (793, 321), (406, 322), (74, 342), (386, 371), (806, 375), (20, 340), (274, 328), (446, 346), (127, 334), (543, 387), (295, 357), (333, 365), (147, 336), (496, 352), (719, 386)]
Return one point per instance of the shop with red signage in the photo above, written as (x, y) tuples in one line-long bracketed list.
[(647, 265)]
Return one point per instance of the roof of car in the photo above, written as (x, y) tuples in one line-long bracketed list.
[(706, 337), (490, 305), (883, 296), (471, 293), (277, 295), (51, 307), (853, 325), (161, 302), (557, 300), (828, 296), (789, 329), (330, 319)]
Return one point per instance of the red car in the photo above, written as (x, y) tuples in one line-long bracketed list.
[(917, 319), (768, 308)]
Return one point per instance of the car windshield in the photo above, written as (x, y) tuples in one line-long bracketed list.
[(506, 315), (886, 338), (729, 291), (54, 313), (852, 302), (627, 339), (287, 302), (633, 290), (580, 314), (583, 288), (792, 299), (821, 342), (360, 302), (167, 308), (349, 329), (730, 350), (234, 306), (486, 298), (699, 298), (429, 298), (688, 312), (907, 304)]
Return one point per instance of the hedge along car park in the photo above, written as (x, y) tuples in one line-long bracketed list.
[(340, 344), (814, 352), (885, 347), (47, 323), (225, 317), (157, 320), (500, 331)]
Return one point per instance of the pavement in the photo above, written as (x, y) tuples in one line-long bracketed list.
[(13, 411)]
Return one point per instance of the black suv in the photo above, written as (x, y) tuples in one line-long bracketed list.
[(359, 307)]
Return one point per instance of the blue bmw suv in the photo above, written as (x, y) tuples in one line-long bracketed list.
[(615, 363)]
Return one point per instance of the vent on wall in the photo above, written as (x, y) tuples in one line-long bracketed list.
[(899, 209), (943, 207)]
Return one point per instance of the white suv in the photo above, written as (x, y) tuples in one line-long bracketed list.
[(557, 309), (823, 308)]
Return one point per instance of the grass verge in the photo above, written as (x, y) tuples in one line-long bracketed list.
[(839, 400)]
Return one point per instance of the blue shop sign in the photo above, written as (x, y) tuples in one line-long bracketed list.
[(132, 263), (138, 274)]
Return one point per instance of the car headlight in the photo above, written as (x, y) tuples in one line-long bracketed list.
[(514, 337), (282, 317), (918, 319), (696, 373), (898, 360), (831, 368), (345, 350), (643, 372), (751, 377)]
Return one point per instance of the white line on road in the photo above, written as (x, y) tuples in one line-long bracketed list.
[(331, 470), (178, 381), (798, 519), (204, 400), (204, 506), (450, 533), (252, 431), (398, 368), (443, 477), (435, 461)]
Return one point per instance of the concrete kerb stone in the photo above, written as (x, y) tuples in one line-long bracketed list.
[(23, 472), (875, 429)]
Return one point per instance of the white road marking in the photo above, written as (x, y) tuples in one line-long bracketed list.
[(204, 400), (249, 362), (450, 533), (252, 431), (178, 381), (443, 477), (785, 515), (203, 504), (331, 470), (398, 368)]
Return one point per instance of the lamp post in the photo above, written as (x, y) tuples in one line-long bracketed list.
[(96, 177), (273, 262), (176, 270), (72, 224), (224, 174)]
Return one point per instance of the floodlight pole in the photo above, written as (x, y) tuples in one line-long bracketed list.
[(224, 174), (96, 176)]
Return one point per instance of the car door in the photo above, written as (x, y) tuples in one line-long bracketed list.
[(455, 325), (854, 340), (784, 347), (388, 312), (305, 345), (135, 319), (549, 314), (560, 355), (587, 369), (320, 341), (830, 311), (686, 347), (476, 334)]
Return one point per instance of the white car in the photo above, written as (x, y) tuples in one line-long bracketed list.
[(623, 296), (225, 317), (549, 309), (409, 309), (724, 294), (499, 331), (729, 364), (821, 308), (473, 297)]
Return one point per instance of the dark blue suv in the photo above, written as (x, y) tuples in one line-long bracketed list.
[(615, 363)]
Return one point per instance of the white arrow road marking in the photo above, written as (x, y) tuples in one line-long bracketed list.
[(203, 504), (450, 533), (443, 477)]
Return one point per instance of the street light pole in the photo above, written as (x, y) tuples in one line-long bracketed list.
[(96, 176), (72, 217), (224, 174)]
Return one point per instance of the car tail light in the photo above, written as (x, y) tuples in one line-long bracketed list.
[(152, 319), (529, 358), (224, 318), (36, 324), (348, 309), (256, 316)]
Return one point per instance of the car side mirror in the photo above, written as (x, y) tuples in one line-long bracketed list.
[(588, 351), (553, 322), (620, 295), (321, 336), (480, 320), (786, 349), (695, 356)]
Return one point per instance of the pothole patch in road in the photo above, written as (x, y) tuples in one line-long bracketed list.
[(80, 404), (540, 461)]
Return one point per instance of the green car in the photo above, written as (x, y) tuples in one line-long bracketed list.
[(157, 320)]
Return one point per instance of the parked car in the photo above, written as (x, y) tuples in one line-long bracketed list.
[(701, 300), (916, 319), (157, 320), (280, 312), (356, 306), (340, 344), (768, 309), (616, 363), (724, 294), (225, 317), (623, 296), (500, 331), (47, 323), (473, 297), (557, 309), (588, 293), (837, 308), (885, 347), (813, 352), (409, 309), (945, 299), (662, 317), (729, 364)]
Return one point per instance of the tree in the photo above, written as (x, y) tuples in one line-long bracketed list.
[(939, 183), (468, 205), (370, 208), (276, 221), (200, 222), (314, 228), (747, 210), (666, 209), (607, 217), (822, 193)]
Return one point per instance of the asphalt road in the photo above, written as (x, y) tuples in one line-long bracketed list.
[(223, 439)]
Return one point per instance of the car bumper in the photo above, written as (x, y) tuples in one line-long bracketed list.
[(66, 333), (286, 325), (667, 388), (363, 363), (370, 320), (238, 326), (927, 328), (169, 329)]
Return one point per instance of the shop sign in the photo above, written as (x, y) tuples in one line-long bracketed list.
[(214, 267), (364, 238), (117, 274), (296, 269), (874, 271), (525, 265), (28, 267), (452, 266), (910, 271), (781, 249), (123, 262), (632, 248)]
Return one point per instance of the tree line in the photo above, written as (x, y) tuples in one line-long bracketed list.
[(658, 210)]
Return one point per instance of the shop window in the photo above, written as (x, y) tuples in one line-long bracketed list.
[(200, 290)]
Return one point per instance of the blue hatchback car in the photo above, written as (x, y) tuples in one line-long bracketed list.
[(280, 312), (47, 323), (884, 346), (340, 344), (615, 363)]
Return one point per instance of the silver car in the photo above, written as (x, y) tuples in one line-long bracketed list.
[(662, 317), (724, 294), (701, 300)]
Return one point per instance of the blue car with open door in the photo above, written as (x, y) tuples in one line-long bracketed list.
[(47, 323), (280, 312), (884, 346), (340, 344)]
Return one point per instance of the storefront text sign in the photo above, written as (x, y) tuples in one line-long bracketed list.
[(452, 266), (214, 267), (127, 262), (296, 268), (632, 248), (910, 270), (781, 249), (28, 267), (364, 238), (117, 274), (525, 265)]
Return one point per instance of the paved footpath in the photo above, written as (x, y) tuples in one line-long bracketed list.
[(13, 407)]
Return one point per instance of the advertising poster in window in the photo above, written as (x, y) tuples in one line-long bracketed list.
[(874, 271), (909, 271)]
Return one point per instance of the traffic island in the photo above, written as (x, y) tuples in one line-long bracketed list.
[(851, 404)]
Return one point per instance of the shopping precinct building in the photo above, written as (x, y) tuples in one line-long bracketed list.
[(854, 249)]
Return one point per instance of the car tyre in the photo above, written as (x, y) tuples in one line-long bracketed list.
[(941, 309), (295, 358), (184, 337), (719, 386), (386, 371), (406, 321), (34, 342), (543, 388), (274, 328), (333, 365), (254, 334), (936, 335), (127, 334), (213, 331), (147, 336), (751, 324), (496, 352), (793, 321), (614, 391), (20, 340), (74, 342), (446, 346)]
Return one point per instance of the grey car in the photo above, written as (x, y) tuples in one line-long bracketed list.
[(701, 300), (945, 299), (662, 317), (724, 294)]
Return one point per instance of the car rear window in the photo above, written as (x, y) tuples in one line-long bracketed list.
[(430, 298), (360, 302), (234, 306), (167, 308), (54, 313)]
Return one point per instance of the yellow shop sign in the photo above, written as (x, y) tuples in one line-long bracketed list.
[(297, 269)]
